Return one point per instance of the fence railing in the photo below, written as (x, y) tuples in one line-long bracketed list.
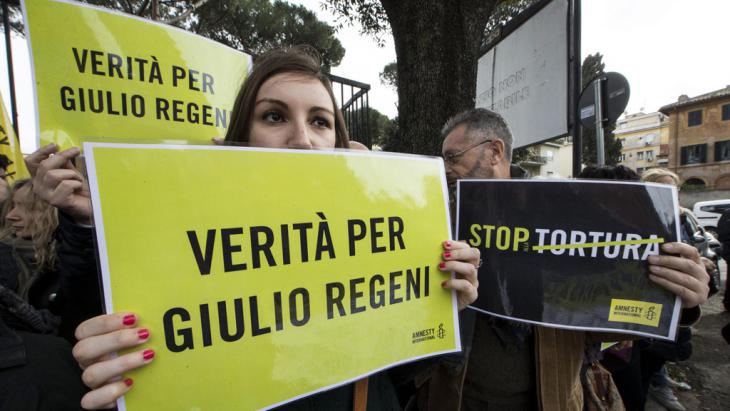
[(355, 106)]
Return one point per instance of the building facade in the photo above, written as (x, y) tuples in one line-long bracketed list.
[(699, 139), (644, 140), (552, 159)]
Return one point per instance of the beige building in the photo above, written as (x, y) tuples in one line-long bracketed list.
[(553, 159), (644, 140), (699, 139)]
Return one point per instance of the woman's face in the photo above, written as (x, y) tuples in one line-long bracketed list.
[(293, 111), (19, 217)]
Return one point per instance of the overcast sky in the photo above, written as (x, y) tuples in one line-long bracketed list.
[(664, 48)]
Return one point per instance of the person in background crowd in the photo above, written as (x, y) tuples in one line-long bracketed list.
[(654, 375), (40, 306), (509, 365), (723, 234), (286, 102), (631, 369)]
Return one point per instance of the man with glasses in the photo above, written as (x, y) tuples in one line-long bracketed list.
[(506, 364)]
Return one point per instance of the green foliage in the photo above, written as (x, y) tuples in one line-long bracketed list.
[(389, 75), (253, 26), (260, 25), (592, 67), (369, 14), (377, 122), (502, 14)]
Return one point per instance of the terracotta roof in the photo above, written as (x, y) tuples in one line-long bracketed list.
[(686, 101)]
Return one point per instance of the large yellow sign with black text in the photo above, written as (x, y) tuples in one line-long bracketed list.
[(268, 275), (103, 74)]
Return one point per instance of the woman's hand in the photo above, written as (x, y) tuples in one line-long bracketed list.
[(57, 182), (682, 273), (100, 337), (463, 261)]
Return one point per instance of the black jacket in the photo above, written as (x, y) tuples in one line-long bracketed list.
[(37, 370)]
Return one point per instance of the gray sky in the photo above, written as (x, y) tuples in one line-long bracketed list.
[(664, 48)]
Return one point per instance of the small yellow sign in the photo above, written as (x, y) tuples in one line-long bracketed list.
[(10, 149), (114, 76), (635, 312)]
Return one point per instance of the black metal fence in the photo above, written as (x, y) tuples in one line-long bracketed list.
[(355, 106)]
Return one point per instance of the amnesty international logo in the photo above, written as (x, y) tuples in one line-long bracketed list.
[(428, 334), (635, 312), (651, 313)]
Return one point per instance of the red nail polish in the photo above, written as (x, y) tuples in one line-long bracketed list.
[(448, 244), (442, 265), (447, 254), (129, 319), (148, 354), (128, 382), (143, 334)]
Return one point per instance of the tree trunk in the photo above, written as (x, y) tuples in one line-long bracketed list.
[(437, 46)]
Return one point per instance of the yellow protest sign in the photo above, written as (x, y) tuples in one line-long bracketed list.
[(267, 275), (110, 75), (11, 158)]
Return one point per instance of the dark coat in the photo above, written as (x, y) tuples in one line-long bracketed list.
[(37, 370)]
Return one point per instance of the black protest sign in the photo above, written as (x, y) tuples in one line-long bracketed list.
[(571, 254)]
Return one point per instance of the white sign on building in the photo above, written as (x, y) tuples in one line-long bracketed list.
[(525, 76)]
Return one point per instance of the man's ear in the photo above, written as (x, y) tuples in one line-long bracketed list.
[(498, 151)]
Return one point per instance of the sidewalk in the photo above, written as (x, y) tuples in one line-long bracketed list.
[(708, 370)]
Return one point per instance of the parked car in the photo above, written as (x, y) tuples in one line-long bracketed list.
[(708, 213)]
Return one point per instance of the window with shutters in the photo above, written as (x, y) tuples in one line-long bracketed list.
[(695, 154), (722, 150), (694, 118)]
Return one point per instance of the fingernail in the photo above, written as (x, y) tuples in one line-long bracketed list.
[(148, 354), (448, 244), (447, 254), (128, 382), (143, 334), (129, 319), (443, 283), (442, 265), (653, 259), (654, 269)]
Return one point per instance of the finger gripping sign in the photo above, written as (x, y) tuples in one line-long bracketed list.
[(571, 254), (268, 275), (110, 75)]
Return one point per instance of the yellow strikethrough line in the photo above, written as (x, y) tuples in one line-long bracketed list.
[(602, 244)]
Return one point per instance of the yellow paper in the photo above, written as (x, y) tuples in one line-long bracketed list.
[(103, 74), (10, 148), (149, 199), (635, 312)]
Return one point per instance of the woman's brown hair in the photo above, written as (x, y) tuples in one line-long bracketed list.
[(299, 60)]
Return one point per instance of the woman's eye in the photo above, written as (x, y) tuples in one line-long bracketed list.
[(273, 117), (321, 122)]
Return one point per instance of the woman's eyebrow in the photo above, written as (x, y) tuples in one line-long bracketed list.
[(318, 108), (272, 101)]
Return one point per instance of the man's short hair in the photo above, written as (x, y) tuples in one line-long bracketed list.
[(485, 122)]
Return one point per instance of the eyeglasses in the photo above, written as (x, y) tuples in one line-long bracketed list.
[(451, 157)]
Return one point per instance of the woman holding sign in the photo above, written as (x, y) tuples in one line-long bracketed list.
[(286, 102)]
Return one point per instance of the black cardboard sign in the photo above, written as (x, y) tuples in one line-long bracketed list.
[(571, 254)]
